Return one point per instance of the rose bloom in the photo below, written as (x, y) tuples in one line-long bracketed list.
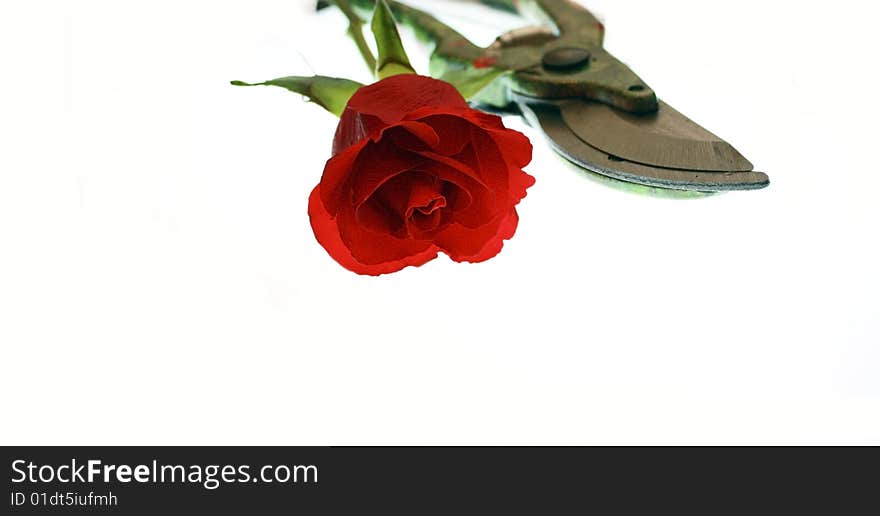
[(416, 171)]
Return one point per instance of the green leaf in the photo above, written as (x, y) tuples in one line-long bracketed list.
[(470, 81), (392, 58), (330, 93)]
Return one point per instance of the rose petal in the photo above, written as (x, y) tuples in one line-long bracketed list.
[(352, 129), (412, 135), (375, 247), (336, 175), (493, 162), (379, 216), (327, 233), (481, 205), (406, 192), (392, 98), (515, 146), (484, 120), (460, 168), (477, 244), (393, 205), (452, 130), (377, 163)]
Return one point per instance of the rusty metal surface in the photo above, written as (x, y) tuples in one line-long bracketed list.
[(548, 118), (665, 138)]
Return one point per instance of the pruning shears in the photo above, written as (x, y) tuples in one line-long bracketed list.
[(593, 109)]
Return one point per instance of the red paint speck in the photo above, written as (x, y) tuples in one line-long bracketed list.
[(483, 62)]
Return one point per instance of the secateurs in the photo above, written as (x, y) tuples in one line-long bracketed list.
[(594, 110)]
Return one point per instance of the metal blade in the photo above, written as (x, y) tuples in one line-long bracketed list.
[(665, 138), (549, 117)]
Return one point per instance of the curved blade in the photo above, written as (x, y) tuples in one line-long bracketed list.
[(564, 140), (665, 138)]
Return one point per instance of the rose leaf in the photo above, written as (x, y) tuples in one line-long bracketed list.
[(331, 93)]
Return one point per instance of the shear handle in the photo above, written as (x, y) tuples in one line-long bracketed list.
[(568, 16)]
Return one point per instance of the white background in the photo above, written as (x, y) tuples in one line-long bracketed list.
[(159, 281)]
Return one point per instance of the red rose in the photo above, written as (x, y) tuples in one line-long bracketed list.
[(416, 171)]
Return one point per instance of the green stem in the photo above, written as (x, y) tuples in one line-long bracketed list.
[(355, 30)]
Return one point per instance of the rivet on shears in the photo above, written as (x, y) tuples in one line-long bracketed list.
[(565, 58)]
